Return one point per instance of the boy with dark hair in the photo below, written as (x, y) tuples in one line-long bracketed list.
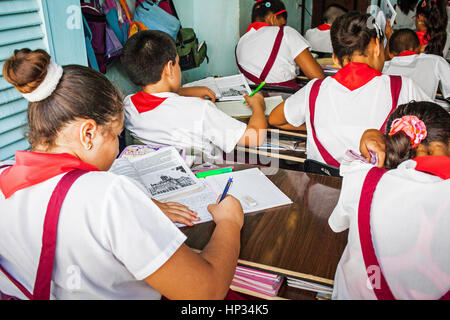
[(164, 113), (427, 70)]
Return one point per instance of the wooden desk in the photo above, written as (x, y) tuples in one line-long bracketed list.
[(292, 240)]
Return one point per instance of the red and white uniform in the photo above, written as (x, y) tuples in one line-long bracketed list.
[(255, 47), (169, 119), (110, 235), (427, 70), (357, 98), (320, 38), (409, 224)]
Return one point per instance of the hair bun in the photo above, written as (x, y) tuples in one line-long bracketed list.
[(26, 69)]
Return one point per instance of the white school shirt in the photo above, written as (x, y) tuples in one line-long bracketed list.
[(255, 47), (427, 70), (184, 122), (342, 116), (320, 40), (110, 237), (410, 225)]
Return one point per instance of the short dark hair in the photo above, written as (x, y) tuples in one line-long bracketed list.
[(351, 33), (262, 8), (435, 118), (145, 54), (403, 40)]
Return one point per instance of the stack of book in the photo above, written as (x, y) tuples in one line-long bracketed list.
[(324, 291), (256, 283)]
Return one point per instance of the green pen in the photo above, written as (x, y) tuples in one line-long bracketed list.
[(204, 174), (256, 90)]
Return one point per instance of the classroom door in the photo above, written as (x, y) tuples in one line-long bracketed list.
[(320, 6)]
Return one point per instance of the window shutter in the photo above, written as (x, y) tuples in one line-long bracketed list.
[(21, 26)]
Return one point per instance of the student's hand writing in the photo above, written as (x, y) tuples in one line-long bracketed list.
[(256, 101), (373, 140), (177, 212), (229, 209), (199, 92)]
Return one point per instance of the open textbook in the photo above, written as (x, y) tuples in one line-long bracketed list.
[(164, 173), (237, 109), (225, 88), (167, 178)]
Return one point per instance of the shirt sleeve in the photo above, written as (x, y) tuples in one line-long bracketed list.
[(296, 105), (297, 44), (443, 73), (221, 129), (137, 232)]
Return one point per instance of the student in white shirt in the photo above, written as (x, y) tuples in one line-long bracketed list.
[(398, 243), (406, 14), (165, 113), (429, 71), (319, 37), (339, 109), (270, 51), (113, 242)]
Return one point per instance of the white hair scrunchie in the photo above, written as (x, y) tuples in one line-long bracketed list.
[(46, 88)]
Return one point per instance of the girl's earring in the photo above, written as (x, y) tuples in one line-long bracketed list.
[(89, 146)]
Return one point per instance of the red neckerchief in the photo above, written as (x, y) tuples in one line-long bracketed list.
[(435, 165), (32, 168), (144, 102), (422, 39), (324, 27), (257, 25), (407, 53), (355, 75)]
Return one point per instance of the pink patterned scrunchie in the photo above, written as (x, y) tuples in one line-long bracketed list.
[(412, 126)]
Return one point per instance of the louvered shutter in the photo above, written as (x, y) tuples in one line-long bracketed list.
[(21, 26)]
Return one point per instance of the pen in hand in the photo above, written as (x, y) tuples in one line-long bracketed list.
[(256, 90), (225, 191)]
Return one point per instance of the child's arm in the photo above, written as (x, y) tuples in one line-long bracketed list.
[(373, 139), (208, 275), (309, 65), (177, 212), (256, 131), (199, 92), (278, 119)]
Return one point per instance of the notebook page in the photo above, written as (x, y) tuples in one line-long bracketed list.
[(250, 183), (237, 109)]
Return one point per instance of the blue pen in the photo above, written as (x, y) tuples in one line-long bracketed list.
[(224, 194)]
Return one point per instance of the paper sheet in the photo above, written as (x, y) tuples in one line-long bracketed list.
[(237, 109), (250, 183)]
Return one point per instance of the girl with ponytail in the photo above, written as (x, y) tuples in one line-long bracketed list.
[(398, 219)]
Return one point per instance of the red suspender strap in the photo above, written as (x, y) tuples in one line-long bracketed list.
[(327, 157), (396, 87), (365, 235), (273, 54), (45, 268), (269, 64), (370, 259), (46, 260)]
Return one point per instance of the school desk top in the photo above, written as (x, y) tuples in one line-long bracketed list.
[(293, 240)]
